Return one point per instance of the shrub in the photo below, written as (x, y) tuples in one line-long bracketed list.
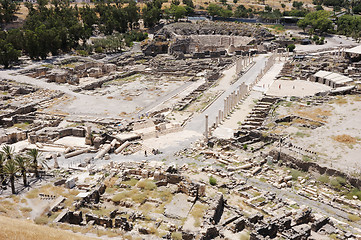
[(296, 173), (212, 181), (99, 50), (291, 47), (335, 184), (324, 179)]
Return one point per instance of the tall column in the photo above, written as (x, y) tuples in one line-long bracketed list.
[(229, 105), (217, 121), (206, 133), (220, 116), (225, 108)]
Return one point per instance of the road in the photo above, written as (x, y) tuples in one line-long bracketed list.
[(198, 122)]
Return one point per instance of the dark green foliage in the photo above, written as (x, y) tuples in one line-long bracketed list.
[(319, 8), (243, 12), (212, 181), (8, 9), (134, 36), (291, 47), (152, 13), (8, 54), (349, 25), (317, 21), (216, 10), (297, 5)]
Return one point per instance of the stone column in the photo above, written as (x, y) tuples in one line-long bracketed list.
[(220, 116), (224, 108), (217, 121), (206, 133), (229, 104)]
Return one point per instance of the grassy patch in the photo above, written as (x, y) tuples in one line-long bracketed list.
[(26, 209), (21, 125), (354, 218), (324, 179), (146, 184), (302, 134), (354, 192), (132, 182), (197, 212), (176, 236), (42, 220), (296, 173)]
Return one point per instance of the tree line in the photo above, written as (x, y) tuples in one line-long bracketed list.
[(56, 27)]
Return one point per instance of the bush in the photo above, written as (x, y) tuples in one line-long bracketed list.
[(296, 173), (212, 181), (291, 47), (245, 146), (82, 53), (99, 50)]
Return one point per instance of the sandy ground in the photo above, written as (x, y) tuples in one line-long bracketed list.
[(345, 119), (296, 88), (332, 41)]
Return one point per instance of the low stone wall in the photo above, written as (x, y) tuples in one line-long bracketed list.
[(313, 167)]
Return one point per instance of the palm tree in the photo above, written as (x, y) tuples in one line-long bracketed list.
[(8, 151), (11, 169), (22, 164), (34, 155), (2, 161)]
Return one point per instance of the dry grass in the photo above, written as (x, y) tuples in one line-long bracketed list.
[(197, 212), (110, 182), (316, 114), (30, 231), (339, 100), (344, 138), (146, 184)]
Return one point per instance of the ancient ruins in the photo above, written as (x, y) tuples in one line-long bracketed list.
[(205, 130)]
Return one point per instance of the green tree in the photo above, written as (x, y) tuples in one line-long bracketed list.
[(318, 21), (291, 47), (297, 5), (8, 54), (177, 12), (2, 161), (214, 9), (22, 164), (302, 23), (188, 3), (8, 152), (8, 9), (34, 155), (152, 13), (11, 169)]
